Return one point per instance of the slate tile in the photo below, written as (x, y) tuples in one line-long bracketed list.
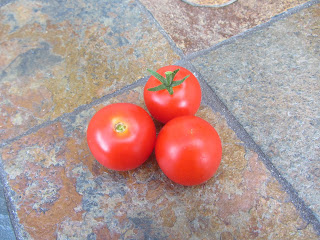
[(62, 192), (6, 230), (197, 28), (57, 56), (270, 82)]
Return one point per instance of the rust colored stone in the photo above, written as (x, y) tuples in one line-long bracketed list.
[(43, 225), (226, 236), (168, 217), (197, 28), (154, 194), (274, 191), (61, 192), (45, 195), (51, 66), (103, 233)]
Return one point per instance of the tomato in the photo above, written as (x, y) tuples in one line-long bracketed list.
[(121, 136), (171, 92), (188, 150)]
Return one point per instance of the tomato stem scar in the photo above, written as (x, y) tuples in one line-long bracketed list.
[(120, 127)]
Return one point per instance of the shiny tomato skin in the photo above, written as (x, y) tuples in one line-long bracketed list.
[(185, 100), (188, 150), (125, 150)]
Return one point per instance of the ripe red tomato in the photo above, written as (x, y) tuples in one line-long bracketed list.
[(121, 136), (171, 92), (188, 150)]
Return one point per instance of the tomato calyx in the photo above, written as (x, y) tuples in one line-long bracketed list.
[(120, 127), (167, 82)]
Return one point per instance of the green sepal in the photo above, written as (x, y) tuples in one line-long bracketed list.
[(158, 76), (170, 76), (177, 83), (157, 88), (167, 82)]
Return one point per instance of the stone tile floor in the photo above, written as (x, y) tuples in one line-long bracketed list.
[(258, 64)]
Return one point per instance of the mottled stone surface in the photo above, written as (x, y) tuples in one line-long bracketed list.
[(6, 231), (270, 81), (196, 28), (61, 192), (58, 55)]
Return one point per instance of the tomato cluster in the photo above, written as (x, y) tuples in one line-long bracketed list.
[(188, 149)]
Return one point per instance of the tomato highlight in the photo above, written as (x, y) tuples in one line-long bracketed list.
[(121, 136), (188, 150), (171, 92)]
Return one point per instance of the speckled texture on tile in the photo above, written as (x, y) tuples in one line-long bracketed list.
[(270, 81), (58, 55), (61, 192), (197, 28), (6, 231)]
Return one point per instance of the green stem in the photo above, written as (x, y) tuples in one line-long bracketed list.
[(167, 82), (169, 78), (120, 127)]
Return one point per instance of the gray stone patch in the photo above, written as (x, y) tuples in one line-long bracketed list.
[(146, 225), (5, 2), (28, 63), (270, 81), (6, 230), (91, 236)]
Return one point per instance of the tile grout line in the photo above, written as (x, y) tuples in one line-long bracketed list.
[(14, 220), (105, 97), (13, 217), (184, 59), (253, 30), (7, 191), (211, 98), (76, 111), (213, 101), (153, 20), (216, 103)]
